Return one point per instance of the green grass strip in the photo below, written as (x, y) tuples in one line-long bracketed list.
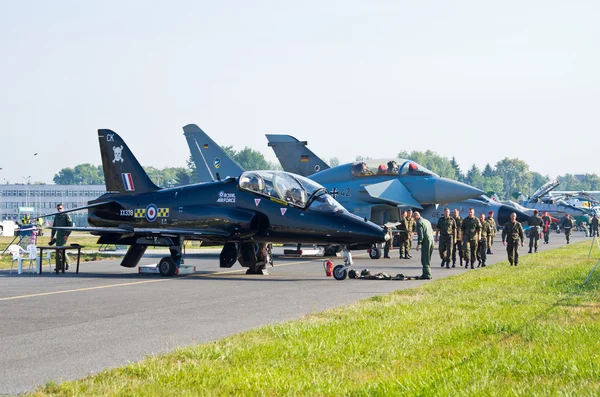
[(533, 330)]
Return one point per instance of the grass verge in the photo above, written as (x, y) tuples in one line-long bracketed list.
[(530, 330)]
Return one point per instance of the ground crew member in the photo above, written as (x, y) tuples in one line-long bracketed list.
[(403, 235), (471, 233), (594, 224), (425, 241), (482, 248), (492, 236), (411, 225), (62, 236), (447, 227), (457, 246), (547, 221), (567, 225), (388, 243), (535, 222), (512, 234)]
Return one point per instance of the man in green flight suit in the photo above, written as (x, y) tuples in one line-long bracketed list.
[(457, 246), (492, 236), (447, 227), (471, 233), (535, 222), (482, 248), (567, 225), (512, 234), (594, 226), (411, 225), (403, 235), (61, 219), (424, 240)]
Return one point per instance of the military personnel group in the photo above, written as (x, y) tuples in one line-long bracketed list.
[(471, 239)]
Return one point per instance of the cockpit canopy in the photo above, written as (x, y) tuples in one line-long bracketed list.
[(283, 186), (390, 167)]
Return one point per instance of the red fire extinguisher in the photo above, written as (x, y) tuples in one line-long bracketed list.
[(328, 266)]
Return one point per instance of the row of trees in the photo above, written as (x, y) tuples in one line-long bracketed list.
[(506, 178)]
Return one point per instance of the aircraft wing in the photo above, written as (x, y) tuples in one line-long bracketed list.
[(394, 192), (146, 231)]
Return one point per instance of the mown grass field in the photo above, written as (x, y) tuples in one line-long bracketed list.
[(500, 331)]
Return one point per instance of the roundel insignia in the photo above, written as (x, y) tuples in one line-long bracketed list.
[(151, 213), (217, 162), (317, 168)]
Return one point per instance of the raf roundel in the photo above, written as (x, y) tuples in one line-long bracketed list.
[(151, 213), (217, 162)]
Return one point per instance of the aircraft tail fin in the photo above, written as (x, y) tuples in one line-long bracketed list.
[(294, 156), (122, 172), (212, 162)]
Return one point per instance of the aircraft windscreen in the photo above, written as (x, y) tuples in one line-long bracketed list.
[(283, 186), (325, 203), (410, 168)]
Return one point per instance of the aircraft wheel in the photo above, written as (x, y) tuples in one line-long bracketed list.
[(167, 267), (375, 253), (340, 272)]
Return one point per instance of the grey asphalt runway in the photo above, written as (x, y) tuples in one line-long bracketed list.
[(60, 327)]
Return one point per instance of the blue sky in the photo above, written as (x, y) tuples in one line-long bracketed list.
[(476, 80)]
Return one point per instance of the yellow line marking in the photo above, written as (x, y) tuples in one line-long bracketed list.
[(143, 282)]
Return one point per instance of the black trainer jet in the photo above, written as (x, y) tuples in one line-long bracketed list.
[(243, 214)]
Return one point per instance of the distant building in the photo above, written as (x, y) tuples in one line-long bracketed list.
[(17, 200)]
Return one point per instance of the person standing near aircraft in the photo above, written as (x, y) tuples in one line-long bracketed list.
[(447, 227), (411, 225), (424, 240), (388, 243), (482, 248), (547, 221), (457, 246), (594, 226), (471, 234), (535, 222), (567, 225), (492, 236), (62, 236), (403, 236), (512, 234)]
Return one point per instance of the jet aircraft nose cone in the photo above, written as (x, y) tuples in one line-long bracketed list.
[(439, 190), (449, 191), (504, 215)]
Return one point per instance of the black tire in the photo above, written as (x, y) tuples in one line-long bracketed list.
[(167, 267), (375, 253), (340, 272)]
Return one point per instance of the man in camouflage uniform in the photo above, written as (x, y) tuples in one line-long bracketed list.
[(411, 225), (61, 219), (457, 246), (482, 248), (492, 236), (403, 235), (512, 234), (547, 221), (567, 225), (594, 226), (425, 240), (447, 227), (471, 232), (535, 222), (388, 244)]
